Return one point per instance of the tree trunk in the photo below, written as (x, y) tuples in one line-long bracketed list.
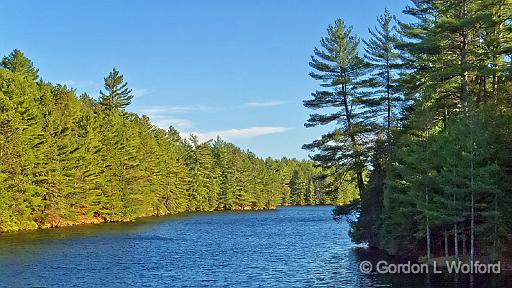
[(470, 114), (388, 88), (360, 181), (463, 57), (496, 239), (445, 245), (428, 228), (456, 241), (355, 146), (472, 249), (464, 249)]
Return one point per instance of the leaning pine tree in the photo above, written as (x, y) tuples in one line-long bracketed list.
[(337, 65)]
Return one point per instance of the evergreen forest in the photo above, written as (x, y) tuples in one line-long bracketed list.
[(422, 119), (68, 159)]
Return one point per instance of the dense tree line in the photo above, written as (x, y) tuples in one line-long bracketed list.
[(66, 159), (423, 113)]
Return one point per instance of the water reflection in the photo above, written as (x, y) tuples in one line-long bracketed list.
[(290, 247), (10, 241), (20, 248)]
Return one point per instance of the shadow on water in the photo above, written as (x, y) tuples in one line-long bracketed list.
[(30, 240), (26, 243), (290, 246), (429, 280)]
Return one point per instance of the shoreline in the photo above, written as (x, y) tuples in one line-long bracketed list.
[(98, 220)]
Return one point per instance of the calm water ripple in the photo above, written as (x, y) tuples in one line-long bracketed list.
[(289, 247)]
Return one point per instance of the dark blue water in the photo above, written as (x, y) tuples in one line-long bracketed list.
[(288, 247)]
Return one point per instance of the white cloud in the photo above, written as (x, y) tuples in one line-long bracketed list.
[(139, 92), (265, 104), (162, 121), (151, 110), (238, 133), (79, 84), (89, 84), (165, 116)]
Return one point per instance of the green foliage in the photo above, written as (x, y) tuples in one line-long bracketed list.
[(16, 62), (66, 159), (381, 53), (337, 65), (117, 95), (443, 171)]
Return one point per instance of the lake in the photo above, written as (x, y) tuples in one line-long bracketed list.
[(286, 247)]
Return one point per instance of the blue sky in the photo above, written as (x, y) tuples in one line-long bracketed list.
[(238, 69)]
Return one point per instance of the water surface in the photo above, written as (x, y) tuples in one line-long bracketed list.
[(288, 247)]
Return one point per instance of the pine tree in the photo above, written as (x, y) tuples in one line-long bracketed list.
[(117, 95), (56, 171), (384, 63), (297, 188), (16, 62), (90, 179), (67, 160), (174, 173), (272, 183), (243, 191), (23, 151), (365, 228), (221, 152), (338, 66), (200, 162)]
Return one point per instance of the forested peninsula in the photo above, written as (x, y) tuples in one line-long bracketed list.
[(68, 159), (422, 115)]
